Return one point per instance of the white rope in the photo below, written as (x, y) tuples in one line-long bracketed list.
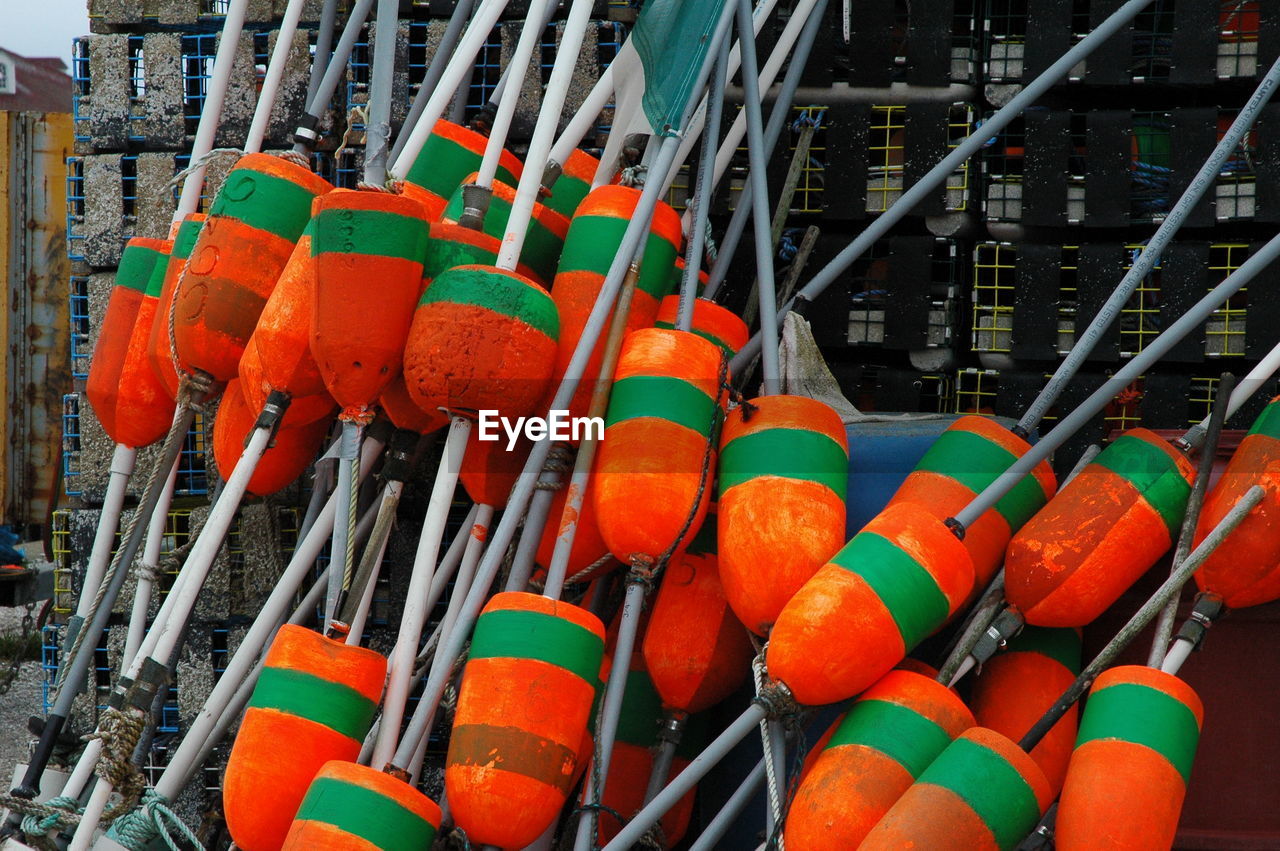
[(770, 770)]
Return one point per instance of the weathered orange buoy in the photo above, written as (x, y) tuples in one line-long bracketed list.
[(404, 412), (317, 698), (291, 450), (489, 471), (451, 245), (632, 761), (482, 338), (965, 458), (1016, 687), (1245, 568), (717, 324), (576, 175), (159, 348), (246, 241), (368, 249), (353, 807), (126, 396), (696, 651), (883, 743), (526, 692), (547, 228), (677, 275), (652, 474), (784, 467), (588, 547), (896, 582), (982, 792), (1095, 538), (451, 153), (278, 354), (1133, 757), (594, 237)]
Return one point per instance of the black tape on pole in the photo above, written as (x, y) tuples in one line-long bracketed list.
[(870, 50), (1194, 54), (925, 130), (929, 44), (1099, 269), (1108, 176), (844, 192), (1109, 64), (1262, 316), (1194, 133), (1046, 164), (1037, 283), (906, 309), (1048, 35), (1184, 279), (1266, 166)]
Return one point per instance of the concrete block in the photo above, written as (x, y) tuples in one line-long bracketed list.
[(216, 172), (175, 12), (163, 124), (108, 100), (261, 561), (103, 226), (291, 101), (109, 14), (155, 200), (531, 92), (585, 73), (259, 11), (237, 108), (310, 9)]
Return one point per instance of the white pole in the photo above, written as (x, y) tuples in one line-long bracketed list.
[(517, 68), (123, 460), (275, 73)]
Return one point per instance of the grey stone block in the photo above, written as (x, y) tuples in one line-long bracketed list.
[(171, 12), (113, 13), (291, 100), (108, 100), (586, 72), (531, 91), (155, 200), (163, 124), (104, 225), (237, 107)]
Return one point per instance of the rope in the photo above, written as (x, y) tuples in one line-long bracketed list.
[(119, 730), (539, 584), (356, 113), (297, 158), (40, 818), (154, 819), (559, 460), (199, 163), (770, 770)]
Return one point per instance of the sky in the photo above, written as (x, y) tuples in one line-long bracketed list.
[(42, 27)]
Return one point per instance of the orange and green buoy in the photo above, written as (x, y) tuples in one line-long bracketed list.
[(574, 183), (718, 324), (159, 347), (452, 153), (292, 449), (547, 228), (353, 807)]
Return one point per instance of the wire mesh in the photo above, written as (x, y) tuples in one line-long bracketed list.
[(975, 391), (886, 156), (1239, 22), (1225, 328), (71, 444)]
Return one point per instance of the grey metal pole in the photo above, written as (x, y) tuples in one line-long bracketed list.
[(1143, 361), (377, 127), (970, 146), (306, 133), (719, 826), (535, 520), (637, 229), (448, 41), (1144, 615), (777, 120), (700, 203), (760, 218), (324, 44), (1150, 255)]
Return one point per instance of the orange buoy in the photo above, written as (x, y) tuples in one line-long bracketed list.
[(965, 458), (353, 807), (882, 744), (489, 471), (527, 689), (1016, 687), (1128, 775), (588, 547), (651, 481), (717, 324), (982, 792), (253, 223), (896, 582), (316, 698), (368, 249), (1095, 538), (126, 396), (481, 339), (290, 453), (594, 237), (404, 412), (784, 467), (677, 276), (1245, 568), (159, 344), (451, 153), (696, 651), (451, 245), (278, 354), (547, 228), (576, 175)]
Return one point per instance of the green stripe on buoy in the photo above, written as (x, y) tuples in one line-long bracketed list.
[(519, 634), (373, 232), (265, 202), (499, 293), (976, 462), (1268, 422), (593, 241), (907, 589), (900, 733), (790, 453), (1146, 716), (641, 715), (362, 812), (992, 788), (1060, 644), (1153, 474), (137, 262), (331, 704), (663, 397)]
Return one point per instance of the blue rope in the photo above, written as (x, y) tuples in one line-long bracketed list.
[(153, 819)]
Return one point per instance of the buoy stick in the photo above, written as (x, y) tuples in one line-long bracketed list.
[(1139, 364), (728, 814), (535, 520), (321, 483), (648, 816), (343, 551), (1143, 616), (147, 569), (700, 203), (324, 46), (759, 200), (275, 73), (673, 722), (448, 41), (305, 135), (636, 231), (779, 117), (1195, 502), (378, 125), (920, 190), (400, 664)]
